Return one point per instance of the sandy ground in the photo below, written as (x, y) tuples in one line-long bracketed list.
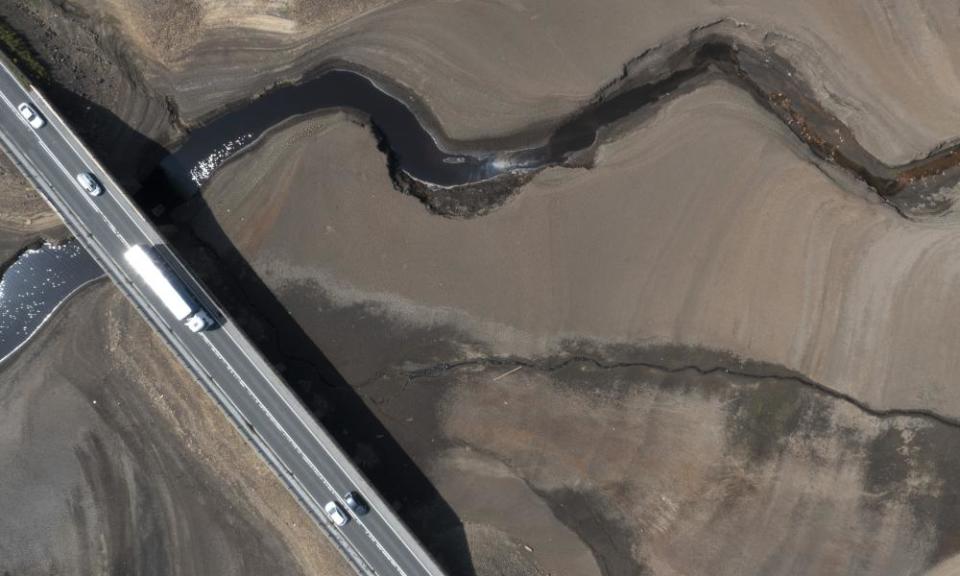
[(114, 460), (25, 217), (705, 227)]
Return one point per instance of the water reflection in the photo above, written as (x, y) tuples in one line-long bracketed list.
[(33, 286)]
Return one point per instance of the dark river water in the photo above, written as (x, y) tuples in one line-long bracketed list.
[(208, 146), (41, 279), (414, 150), (33, 286)]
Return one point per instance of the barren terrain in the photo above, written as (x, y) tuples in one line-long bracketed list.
[(704, 352), (703, 238), (115, 460), (707, 227)]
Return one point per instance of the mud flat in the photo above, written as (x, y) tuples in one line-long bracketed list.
[(706, 239), (114, 459)]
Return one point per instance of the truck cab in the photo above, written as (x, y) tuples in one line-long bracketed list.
[(199, 321)]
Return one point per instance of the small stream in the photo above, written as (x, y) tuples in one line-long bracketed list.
[(35, 285)]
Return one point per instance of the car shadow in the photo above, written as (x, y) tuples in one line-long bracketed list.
[(238, 289)]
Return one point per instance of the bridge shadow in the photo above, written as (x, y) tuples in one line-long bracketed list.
[(242, 293), (129, 155)]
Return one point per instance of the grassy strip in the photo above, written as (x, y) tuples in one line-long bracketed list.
[(18, 50)]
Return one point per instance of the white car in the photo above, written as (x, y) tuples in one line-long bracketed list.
[(31, 115), (336, 514), (89, 183)]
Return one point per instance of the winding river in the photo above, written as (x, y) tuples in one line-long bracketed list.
[(42, 278), (412, 148), (208, 146), (412, 151)]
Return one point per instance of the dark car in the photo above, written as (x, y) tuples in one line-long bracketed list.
[(356, 503)]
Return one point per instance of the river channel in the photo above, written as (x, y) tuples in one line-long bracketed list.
[(413, 149), (42, 278), (35, 285)]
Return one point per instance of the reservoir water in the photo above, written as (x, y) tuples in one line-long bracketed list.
[(32, 288)]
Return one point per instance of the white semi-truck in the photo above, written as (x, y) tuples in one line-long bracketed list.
[(168, 288)]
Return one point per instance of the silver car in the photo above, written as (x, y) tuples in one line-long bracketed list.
[(89, 183), (30, 114), (336, 514)]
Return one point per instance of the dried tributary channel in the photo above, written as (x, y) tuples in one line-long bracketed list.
[(36, 284)]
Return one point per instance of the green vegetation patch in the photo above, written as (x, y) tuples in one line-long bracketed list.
[(23, 57)]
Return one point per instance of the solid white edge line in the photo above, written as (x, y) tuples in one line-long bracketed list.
[(273, 381)]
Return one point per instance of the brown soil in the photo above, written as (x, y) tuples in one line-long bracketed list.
[(115, 460), (679, 473)]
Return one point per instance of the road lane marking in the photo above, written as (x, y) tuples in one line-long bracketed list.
[(52, 123), (312, 433), (132, 214), (63, 169), (300, 452)]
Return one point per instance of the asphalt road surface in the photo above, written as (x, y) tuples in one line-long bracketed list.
[(222, 358)]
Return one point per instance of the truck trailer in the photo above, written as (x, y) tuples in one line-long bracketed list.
[(168, 288)]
